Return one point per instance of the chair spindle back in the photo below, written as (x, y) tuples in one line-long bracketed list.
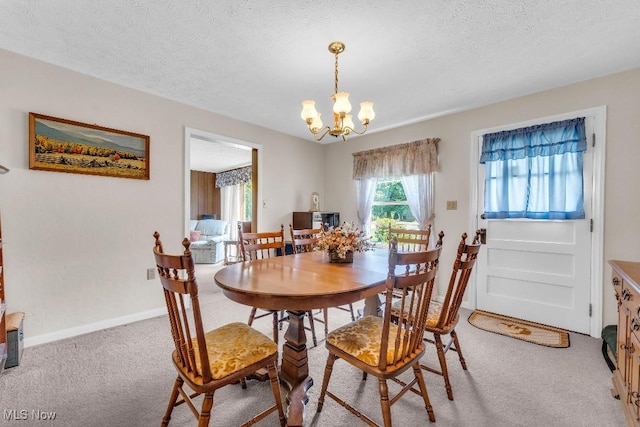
[(261, 245), (177, 276), (304, 240), (462, 268), (411, 240), (412, 276)]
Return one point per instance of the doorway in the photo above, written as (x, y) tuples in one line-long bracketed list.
[(221, 147), (545, 271)]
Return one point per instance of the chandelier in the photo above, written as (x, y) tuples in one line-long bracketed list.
[(342, 120)]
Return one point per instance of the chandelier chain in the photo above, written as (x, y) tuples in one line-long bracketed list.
[(336, 84)]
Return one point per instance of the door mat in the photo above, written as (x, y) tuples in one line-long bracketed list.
[(520, 329)]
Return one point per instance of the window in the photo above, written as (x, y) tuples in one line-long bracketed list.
[(408, 170), (246, 201), (390, 207), (535, 172)]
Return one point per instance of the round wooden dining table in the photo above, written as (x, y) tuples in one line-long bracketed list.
[(299, 283)]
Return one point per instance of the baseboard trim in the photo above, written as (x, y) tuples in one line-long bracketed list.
[(93, 327)]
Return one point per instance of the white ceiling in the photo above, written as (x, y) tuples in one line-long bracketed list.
[(256, 60), (218, 156)]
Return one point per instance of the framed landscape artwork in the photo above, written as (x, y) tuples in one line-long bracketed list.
[(62, 145)]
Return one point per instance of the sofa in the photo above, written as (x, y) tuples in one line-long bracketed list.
[(207, 240)]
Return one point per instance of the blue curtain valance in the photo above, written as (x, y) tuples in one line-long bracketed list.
[(567, 136), (233, 177)]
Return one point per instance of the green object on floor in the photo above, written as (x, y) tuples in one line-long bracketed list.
[(609, 339)]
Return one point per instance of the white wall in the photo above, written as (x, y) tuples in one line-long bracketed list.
[(619, 92), (77, 246)]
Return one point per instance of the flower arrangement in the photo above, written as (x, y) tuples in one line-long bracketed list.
[(344, 239)]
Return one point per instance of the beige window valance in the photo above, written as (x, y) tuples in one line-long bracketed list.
[(412, 158)]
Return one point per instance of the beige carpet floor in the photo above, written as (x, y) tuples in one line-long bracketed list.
[(122, 377)]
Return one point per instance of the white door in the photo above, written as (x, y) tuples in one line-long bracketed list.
[(538, 270)]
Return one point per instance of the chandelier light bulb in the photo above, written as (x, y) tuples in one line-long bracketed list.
[(342, 104), (366, 111), (347, 122), (308, 110)]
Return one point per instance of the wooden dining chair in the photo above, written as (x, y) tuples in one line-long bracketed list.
[(259, 246), (208, 361), (305, 240), (443, 316), (383, 348), (411, 240)]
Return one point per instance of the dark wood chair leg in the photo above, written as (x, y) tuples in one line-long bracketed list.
[(443, 365), (172, 401), (325, 316), (205, 414), (384, 402), (276, 325), (456, 343), (312, 326), (252, 316), (417, 372), (325, 380), (275, 388)]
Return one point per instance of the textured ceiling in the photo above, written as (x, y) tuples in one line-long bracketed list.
[(257, 60), (217, 156)]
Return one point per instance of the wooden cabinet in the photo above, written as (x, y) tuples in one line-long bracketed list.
[(3, 317), (626, 378), (303, 220)]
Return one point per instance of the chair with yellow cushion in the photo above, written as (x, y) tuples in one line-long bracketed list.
[(208, 361), (263, 245), (381, 347), (443, 316)]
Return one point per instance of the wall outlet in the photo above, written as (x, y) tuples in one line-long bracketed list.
[(151, 273), (452, 205)]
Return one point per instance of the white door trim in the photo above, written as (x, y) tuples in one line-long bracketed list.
[(597, 236)]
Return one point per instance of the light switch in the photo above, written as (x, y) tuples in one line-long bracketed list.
[(452, 205)]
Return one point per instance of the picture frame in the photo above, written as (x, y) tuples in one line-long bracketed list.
[(61, 145)]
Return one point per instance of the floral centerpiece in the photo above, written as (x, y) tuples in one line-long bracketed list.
[(341, 242)]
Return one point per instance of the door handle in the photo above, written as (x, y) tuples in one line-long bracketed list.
[(483, 236)]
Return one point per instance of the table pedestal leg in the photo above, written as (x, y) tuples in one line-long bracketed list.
[(294, 368), (372, 306)]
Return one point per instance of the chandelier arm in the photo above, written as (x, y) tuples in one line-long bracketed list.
[(326, 131), (355, 131)]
